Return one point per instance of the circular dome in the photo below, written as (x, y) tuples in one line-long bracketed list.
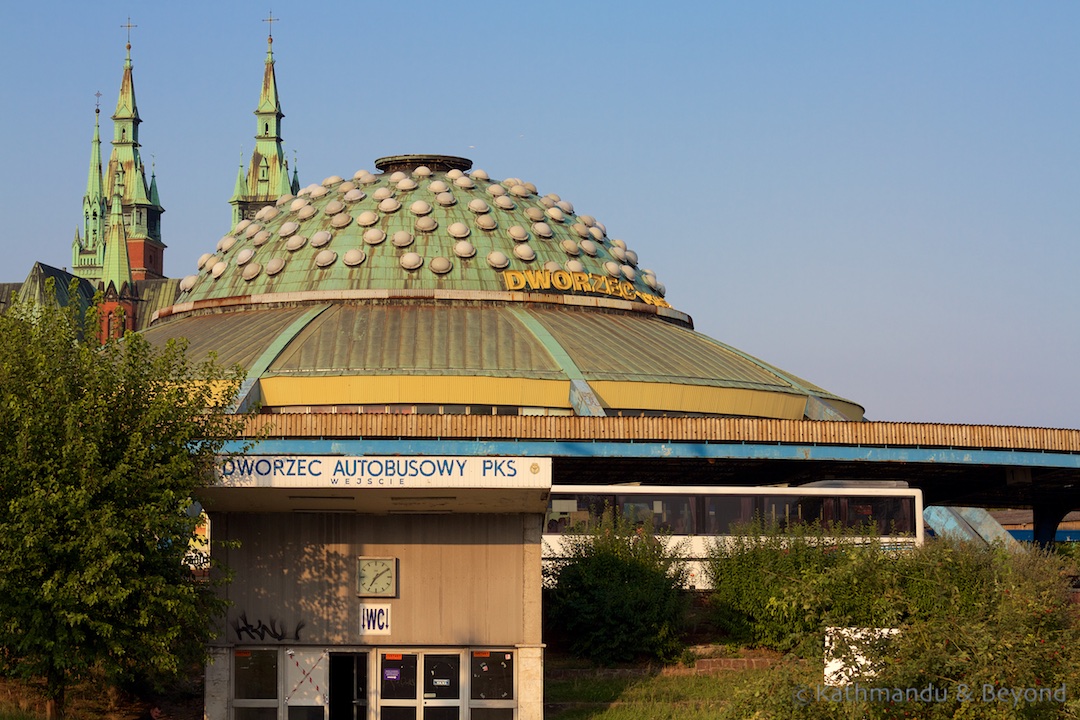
[(520, 277)]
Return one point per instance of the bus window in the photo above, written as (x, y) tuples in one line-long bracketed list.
[(577, 512), (724, 512), (668, 513)]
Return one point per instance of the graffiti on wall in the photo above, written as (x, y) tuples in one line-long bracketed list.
[(273, 629)]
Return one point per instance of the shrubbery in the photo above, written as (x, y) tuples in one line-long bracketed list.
[(969, 617), (617, 594)]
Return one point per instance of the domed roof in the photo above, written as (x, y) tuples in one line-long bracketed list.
[(423, 223), (428, 288)]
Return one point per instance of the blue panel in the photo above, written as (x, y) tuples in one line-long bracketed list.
[(719, 451)]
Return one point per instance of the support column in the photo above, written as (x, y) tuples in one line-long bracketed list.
[(216, 692), (1046, 516)]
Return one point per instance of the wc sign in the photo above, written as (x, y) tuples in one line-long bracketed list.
[(374, 619)]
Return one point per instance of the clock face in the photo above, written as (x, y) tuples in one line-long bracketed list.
[(377, 576)]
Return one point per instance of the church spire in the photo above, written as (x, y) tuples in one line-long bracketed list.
[(268, 172), (88, 250), (116, 270)]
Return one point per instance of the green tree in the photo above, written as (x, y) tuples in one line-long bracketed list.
[(618, 593), (103, 447)]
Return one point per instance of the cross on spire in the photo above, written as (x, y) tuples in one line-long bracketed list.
[(97, 104), (271, 19), (128, 25)]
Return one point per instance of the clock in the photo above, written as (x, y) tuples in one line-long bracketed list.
[(376, 577)]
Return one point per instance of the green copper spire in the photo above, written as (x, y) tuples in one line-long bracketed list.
[(94, 205), (116, 269), (268, 172), (154, 199)]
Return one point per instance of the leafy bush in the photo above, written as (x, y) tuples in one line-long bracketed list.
[(972, 620), (617, 594)]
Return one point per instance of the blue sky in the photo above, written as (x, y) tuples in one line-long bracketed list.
[(878, 197)]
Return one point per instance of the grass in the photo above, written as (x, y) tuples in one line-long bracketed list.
[(648, 697)]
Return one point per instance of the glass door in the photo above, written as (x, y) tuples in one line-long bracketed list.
[(420, 685), (348, 686)]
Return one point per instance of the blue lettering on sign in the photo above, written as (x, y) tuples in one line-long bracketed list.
[(499, 468), (374, 619)]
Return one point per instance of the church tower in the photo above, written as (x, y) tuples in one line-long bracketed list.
[(120, 296), (139, 204), (267, 176)]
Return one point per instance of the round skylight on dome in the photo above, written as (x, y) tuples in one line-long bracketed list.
[(202, 260), (411, 261), (520, 190), (542, 229), (547, 202), (496, 190), (288, 228), (486, 222), (251, 271), (518, 233), (575, 266), (497, 260), (580, 230), (597, 233), (318, 192), (354, 257), (296, 204), (367, 218), (266, 212), (261, 238), (420, 208), (530, 187), (406, 185), (524, 252), (346, 187), (464, 249), (628, 272), (588, 220), (366, 177), (479, 206), (355, 195), (422, 171), (397, 176), (426, 224), (382, 193), (565, 206), (295, 242), (332, 180), (244, 255), (552, 266), (535, 214), (323, 237), (402, 238), (556, 214), (570, 247), (389, 205), (326, 258), (612, 268), (188, 282), (307, 212), (631, 258), (374, 236), (661, 289), (225, 243), (341, 220), (283, 199), (334, 207), (464, 182), (458, 230), (618, 253), (275, 266), (252, 229), (454, 174), (589, 247), (241, 226), (649, 279), (438, 186), (618, 243), (445, 199), (440, 265), (479, 175), (602, 227), (218, 268), (504, 202)]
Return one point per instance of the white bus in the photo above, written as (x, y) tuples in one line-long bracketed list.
[(694, 515)]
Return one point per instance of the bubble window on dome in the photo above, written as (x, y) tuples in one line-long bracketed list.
[(422, 171), (589, 247), (203, 258), (570, 247), (464, 249), (261, 238), (318, 192), (552, 266), (479, 175), (355, 195), (295, 243), (354, 257), (486, 222), (218, 269), (556, 214), (406, 185), (566, 206), (241, 226), (524, 252), (458, 230), (575, 266), (454, 174), (341, 220), (402, 238), (283, 199), (334, 207), (446, 199), (275, 266), (478, 206), (288, 229), (505, 202), (252, 271), (518, 233), (188, 282), (612, 268), (367, 218), (296, 204), (497, 260), (374, 236), (438, 186), (496, 190), (440, 265), (326, 258), (382, 193), (346, 187), (252, 229), (411, 261), (332, 180), (307, 212), (321, 238), (397, 176), (426, 224), (389, 205), (542, 229), (226, 242), (465, 182)]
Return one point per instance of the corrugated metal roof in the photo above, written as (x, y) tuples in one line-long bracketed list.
[(410, 338), (153, 296), (236, 337)]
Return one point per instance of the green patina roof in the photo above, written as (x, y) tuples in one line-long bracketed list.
[(332, 223)]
